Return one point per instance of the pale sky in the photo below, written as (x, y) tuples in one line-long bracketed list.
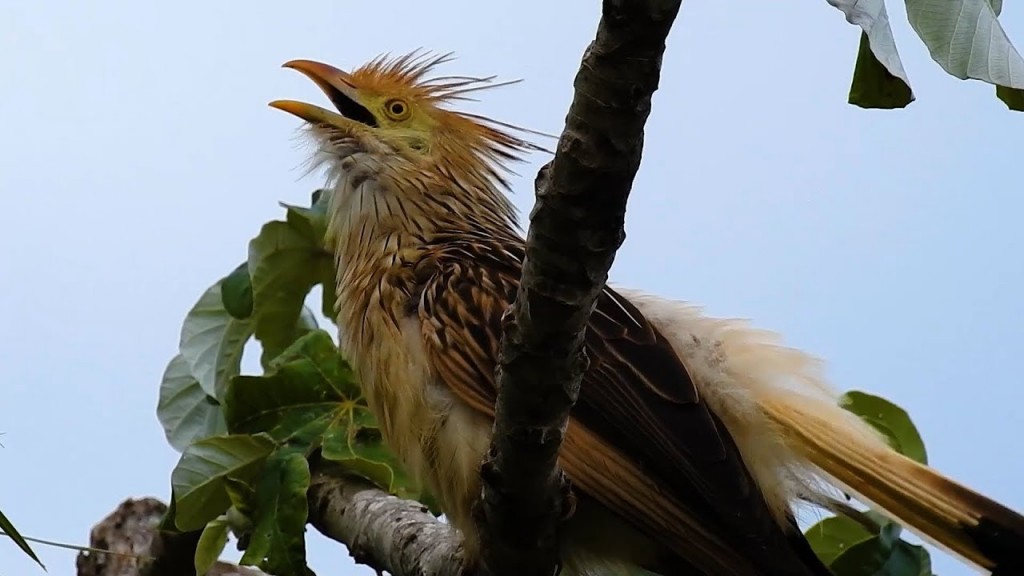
[(138, 157)]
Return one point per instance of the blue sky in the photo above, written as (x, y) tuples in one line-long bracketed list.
[(139, 157)]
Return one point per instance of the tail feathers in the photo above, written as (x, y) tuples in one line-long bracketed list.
[(786, 420), (941, 511)]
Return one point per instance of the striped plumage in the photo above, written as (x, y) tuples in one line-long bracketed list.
[(692, 438)]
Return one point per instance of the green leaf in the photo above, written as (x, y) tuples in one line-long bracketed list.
[(186, 412), (277, 540), (311, 223), (198, 481), (310, 399), (307, 323), (317, 350), (834, 536), (328, 272), (874, 86), (879, 80), (328, 298), (211, 544), (15, 536), (354, 441), (236, 292), (212, 342), (967, 41), (1014, 99), (890, 420), (878, 557), (241, 495), (285, 262), (305, 387)]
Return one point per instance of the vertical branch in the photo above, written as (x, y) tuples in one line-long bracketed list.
[(575, 229)]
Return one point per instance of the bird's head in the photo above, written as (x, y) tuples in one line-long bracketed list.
[(392, 114)]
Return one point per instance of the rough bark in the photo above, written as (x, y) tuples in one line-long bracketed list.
[(137, 548), (382, 531), (575, 229)]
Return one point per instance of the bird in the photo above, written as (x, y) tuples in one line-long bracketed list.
[(694, 438)]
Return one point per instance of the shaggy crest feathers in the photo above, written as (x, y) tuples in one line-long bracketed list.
[(409, 76)]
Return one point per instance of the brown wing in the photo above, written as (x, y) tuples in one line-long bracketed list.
[(640, 440)]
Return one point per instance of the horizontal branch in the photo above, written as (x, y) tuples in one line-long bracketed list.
[(575, 229), (381, 530)]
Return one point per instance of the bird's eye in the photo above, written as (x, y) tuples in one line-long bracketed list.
[(397, 109)]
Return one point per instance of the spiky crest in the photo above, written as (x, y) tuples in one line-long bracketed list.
[(409, 76)]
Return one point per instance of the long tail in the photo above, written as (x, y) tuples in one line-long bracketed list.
[(792, 433), (942, 511)]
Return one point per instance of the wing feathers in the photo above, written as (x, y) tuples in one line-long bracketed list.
[(643, 442)]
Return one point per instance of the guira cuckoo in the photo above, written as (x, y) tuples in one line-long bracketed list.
[(692, 438)]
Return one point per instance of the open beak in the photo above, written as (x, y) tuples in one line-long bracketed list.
[(338, 87)]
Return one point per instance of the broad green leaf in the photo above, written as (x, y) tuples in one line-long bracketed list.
[(312, 221), (284, 264), (318, 350), (198, 481), (236, 292), (879, 80), (211, 544), (185, 410), (966, 39), (310, 399), (212, 342), (8, 528), (834, 536), (890, 420), (277, 541), (307, 323), (354, 441), (302, 393), (877, 557)]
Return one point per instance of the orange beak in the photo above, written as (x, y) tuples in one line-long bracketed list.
[(337, 85)]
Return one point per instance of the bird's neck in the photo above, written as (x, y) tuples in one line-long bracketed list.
[(380, 233)]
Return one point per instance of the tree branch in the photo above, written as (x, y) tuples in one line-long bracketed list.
[(382, 531), (575, 229), (137, 547)]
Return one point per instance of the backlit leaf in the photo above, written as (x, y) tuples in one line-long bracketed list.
[(211, 544), (212, 342), (890, 420), (186, 412), (834, 536), (876, 557), (967, 40), (284, 264)]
